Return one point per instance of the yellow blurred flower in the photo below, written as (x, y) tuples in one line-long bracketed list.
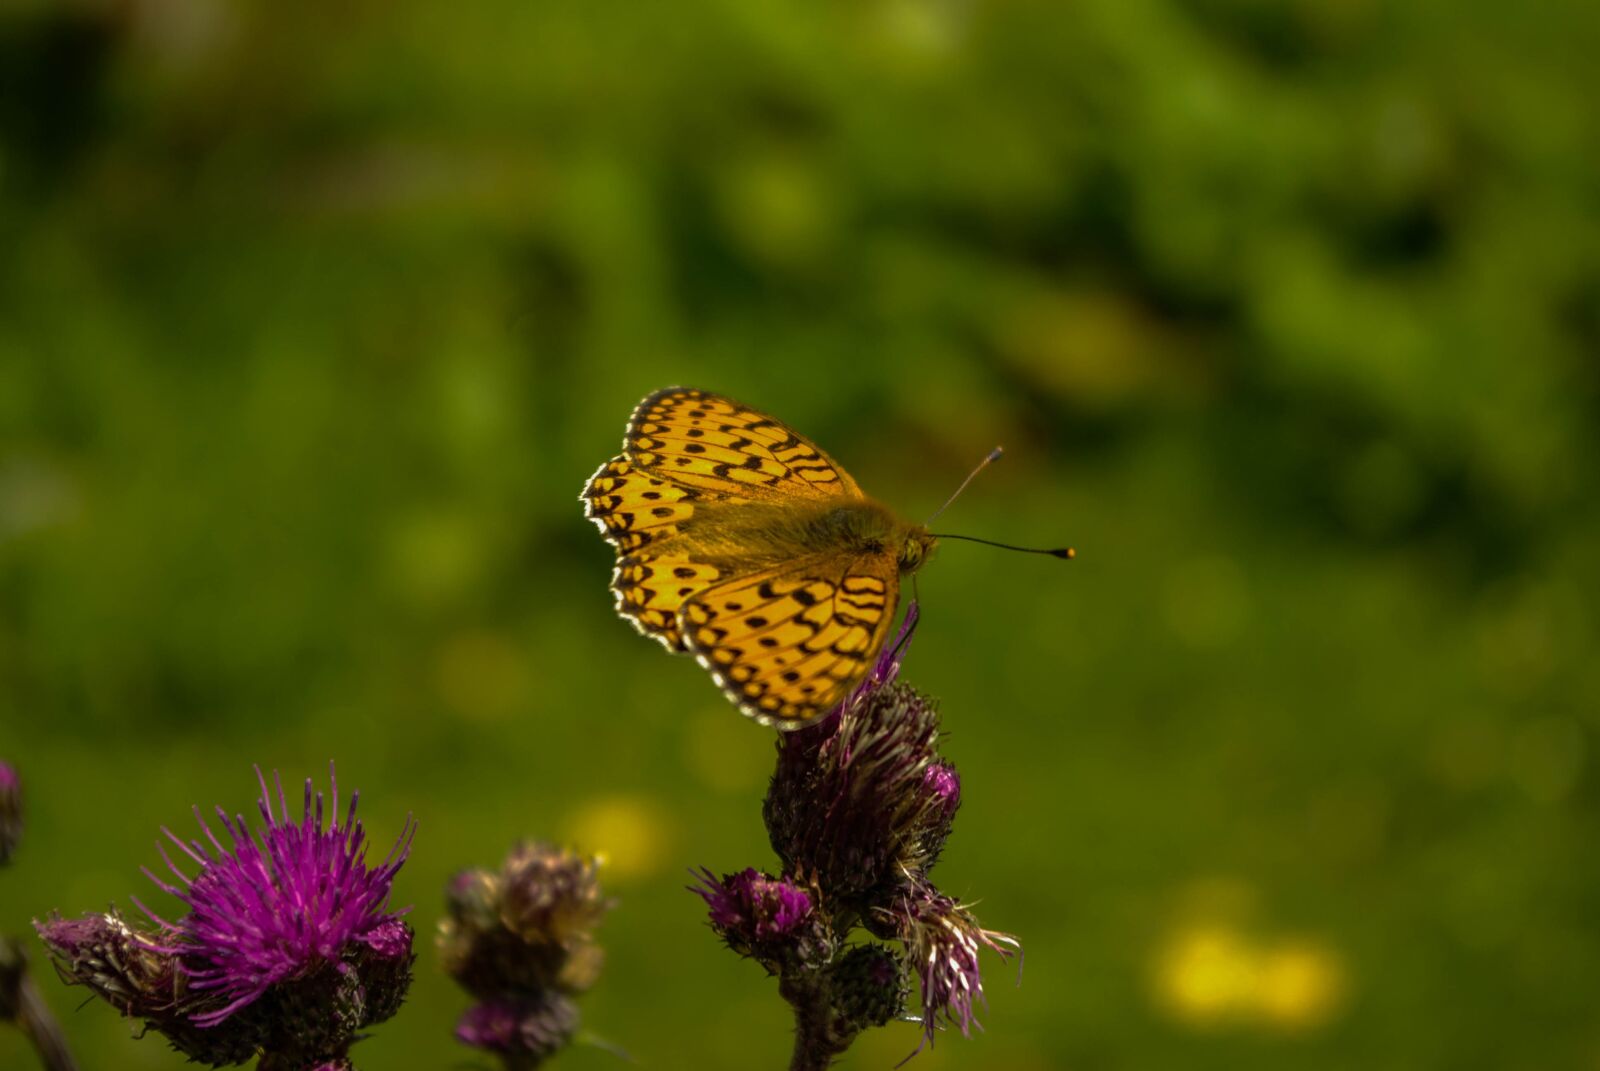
[(630, 834), (1205, 975), (1211, 974), (1299, 985)]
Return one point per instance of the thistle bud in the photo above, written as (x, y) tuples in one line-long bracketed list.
[(868, 987), (383, 961)]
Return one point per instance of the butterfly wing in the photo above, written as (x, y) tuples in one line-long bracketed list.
[(640, 514), (634, 509), (786, 645), (684, 449), (703, 441)]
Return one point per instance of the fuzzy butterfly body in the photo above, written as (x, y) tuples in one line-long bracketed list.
[(740, 542)]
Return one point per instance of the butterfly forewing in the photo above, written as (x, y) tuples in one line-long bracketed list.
[(708, 442)]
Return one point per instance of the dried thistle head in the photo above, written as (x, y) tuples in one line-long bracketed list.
[(942, 940)]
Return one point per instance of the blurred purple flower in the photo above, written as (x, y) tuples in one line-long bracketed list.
[(521, 941), (523, 1030), (527, 927), (551, 895), (10, 811)]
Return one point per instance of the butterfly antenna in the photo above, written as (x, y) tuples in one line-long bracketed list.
[(1054, 552), (991, 457)]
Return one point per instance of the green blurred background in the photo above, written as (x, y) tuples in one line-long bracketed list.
[(315, 318)]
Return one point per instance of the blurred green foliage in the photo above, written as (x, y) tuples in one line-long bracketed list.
[(314, 318)]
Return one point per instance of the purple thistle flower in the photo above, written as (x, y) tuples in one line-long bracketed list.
[(10, 811), (382, 960), (862, 799), (942, 785), (765, 906), (267, 911), (858, 810), (770, 919), (288, 948), (942, 941)]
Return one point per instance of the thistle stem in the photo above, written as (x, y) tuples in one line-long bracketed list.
[(819, 1037), (21, 1003)]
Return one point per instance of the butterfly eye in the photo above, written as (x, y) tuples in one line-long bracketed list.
[(910, 555)]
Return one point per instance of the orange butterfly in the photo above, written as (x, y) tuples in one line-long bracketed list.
[(742, 543)]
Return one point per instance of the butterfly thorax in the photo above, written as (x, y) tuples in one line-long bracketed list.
[(850, 527)]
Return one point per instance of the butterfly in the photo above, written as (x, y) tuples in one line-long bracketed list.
[(741, 543)]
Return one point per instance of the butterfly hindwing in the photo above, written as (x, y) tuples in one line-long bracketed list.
[(707, 442), (788, 644), (651, 590), (640, 514)]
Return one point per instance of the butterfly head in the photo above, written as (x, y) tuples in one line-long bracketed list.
[(914, 551)]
